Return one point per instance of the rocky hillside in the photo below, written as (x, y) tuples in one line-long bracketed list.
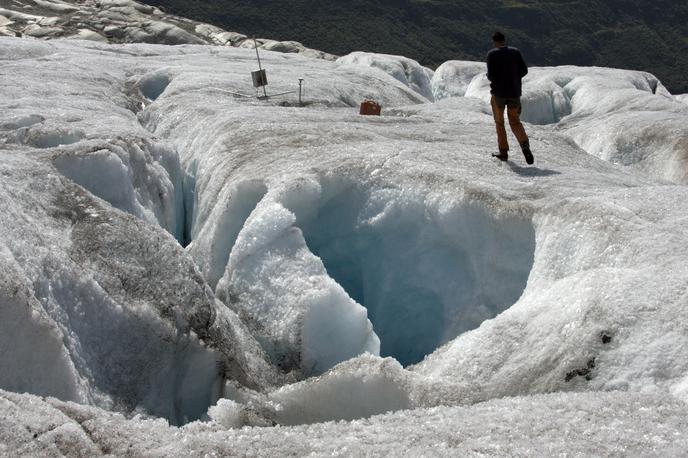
[(122, 21)]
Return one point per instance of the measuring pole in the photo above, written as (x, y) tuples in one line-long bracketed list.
[(300, 86), (255, 44)]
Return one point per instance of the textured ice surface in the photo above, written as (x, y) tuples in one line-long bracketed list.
[(405, 70), (621, 116), (573, 424), (100, 307), (310, 233), (304, 319), (451, 79)]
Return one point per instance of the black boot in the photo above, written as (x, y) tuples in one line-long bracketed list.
[(502, 156), (525, 147)]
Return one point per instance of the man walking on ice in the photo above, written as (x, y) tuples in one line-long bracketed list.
[(505, 68)]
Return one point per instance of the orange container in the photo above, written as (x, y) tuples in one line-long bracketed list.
[(370, 107)]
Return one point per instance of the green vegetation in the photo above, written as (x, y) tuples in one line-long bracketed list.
[(633, 34)]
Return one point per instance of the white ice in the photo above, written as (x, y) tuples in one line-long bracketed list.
[(559, 424), (170, 246), (405, 70), (451, 79)]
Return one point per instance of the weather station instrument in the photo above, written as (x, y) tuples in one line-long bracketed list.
[(260, 82)]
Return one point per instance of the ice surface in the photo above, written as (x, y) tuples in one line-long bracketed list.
[(452, 78), (405, 70), (313, 232), (622, 116), (121, 318), (358, 388), (137, 176), (418, 167), (585, 424), (24, 321)]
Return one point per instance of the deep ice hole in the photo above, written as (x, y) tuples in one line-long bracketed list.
[(152, 86), (425, 276)]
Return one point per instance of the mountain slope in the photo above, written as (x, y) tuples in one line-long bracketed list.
[(611, 33)]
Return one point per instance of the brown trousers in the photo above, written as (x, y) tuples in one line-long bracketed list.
[(513, 111)]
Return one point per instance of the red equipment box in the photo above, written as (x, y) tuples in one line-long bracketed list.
[(370, 107)]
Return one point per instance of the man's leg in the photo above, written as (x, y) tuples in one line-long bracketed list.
[(514, 114), (498, 113)]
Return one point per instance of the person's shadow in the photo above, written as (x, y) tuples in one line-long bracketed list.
[(531, 171)]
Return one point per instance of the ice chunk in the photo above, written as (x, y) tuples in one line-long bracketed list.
[(214, 242), (164, 32), (302, 317), (227, 413), (359, 388), (405, 70), (19, 16), (547, 103), (452, 78)]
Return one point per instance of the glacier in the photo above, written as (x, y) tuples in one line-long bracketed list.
[(189, 270)]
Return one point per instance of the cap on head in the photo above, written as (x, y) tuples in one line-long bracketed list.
[(498, 37)]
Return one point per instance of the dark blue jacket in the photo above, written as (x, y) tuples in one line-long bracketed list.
[(505, 68)]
